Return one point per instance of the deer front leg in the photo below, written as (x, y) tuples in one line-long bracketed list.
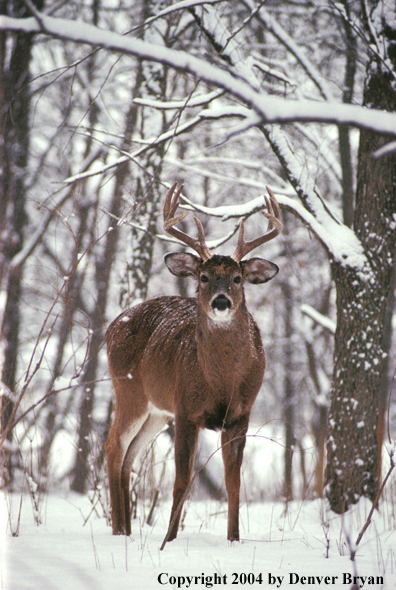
[(233, 443), (186, 438)]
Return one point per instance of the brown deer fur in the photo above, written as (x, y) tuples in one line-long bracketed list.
[(200, 360)]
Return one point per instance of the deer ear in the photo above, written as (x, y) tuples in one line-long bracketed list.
[(258, 270), (183, 264)]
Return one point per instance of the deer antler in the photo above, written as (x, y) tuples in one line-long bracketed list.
[(274, 228), (170, 207)]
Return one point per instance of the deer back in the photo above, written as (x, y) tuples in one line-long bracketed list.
[(202, 357)]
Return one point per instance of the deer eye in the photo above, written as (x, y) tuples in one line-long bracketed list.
[(237, 279), (204, 279)]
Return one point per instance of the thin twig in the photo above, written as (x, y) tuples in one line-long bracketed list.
[(374, 506), (391, 468)]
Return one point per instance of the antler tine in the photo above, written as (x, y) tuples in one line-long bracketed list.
[(274, 228), (204, 250), (172, 201), (273, 215), (170, 206)]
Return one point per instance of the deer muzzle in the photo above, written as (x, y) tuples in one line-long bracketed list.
[(221, 303)]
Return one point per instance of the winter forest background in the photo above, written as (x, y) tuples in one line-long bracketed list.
[(103, 105)]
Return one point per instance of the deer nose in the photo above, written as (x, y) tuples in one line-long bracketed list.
[(221, 302), (222, 285)]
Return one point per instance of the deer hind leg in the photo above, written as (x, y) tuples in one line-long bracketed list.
[(233, 443), (153, 423), (117, 446), (186, 439)]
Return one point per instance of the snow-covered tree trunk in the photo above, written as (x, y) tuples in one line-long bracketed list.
[(352, 467)]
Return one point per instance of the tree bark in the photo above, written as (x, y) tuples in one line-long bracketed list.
[(14, 152), (289, 394), (352, 467), (344, 142), (149, 191), (103, 272)]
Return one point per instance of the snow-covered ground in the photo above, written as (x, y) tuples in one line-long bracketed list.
[(301, 546)]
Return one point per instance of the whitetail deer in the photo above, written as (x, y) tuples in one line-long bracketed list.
[(200, 360)]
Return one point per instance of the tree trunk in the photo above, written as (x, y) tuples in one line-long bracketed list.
[(289, 393), (54, 417), (352, 468), (149, 190), (289, 401), (103, 272), (14, 151), (344, 142)]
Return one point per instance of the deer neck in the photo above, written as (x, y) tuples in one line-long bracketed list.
[(223, 348)]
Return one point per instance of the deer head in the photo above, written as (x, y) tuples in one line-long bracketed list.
[(220, 278)]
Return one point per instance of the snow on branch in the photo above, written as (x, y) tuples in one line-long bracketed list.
[(281, 34), (319, 318), (249, 164), (212, 244), (228, 211), (182, 128), (183, 5), (340, 241), (271, 109), (190, 101), (265, 65), (235, 180), (179, 129)]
